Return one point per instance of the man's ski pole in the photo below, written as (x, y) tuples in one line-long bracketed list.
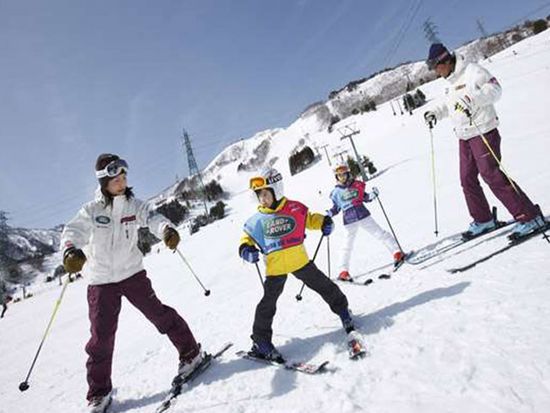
[(299, 295), (206, 292), (436, 231), (24, 385)]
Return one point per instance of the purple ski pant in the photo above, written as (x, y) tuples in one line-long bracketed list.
[(476, 159), (104, 302)]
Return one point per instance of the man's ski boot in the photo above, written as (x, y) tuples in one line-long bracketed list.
[(522, 229), (266, 350), (479, 228), (344, 276), (100, 404)]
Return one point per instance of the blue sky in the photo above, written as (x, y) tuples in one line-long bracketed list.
[(78, 78)]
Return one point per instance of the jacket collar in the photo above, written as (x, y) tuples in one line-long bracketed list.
[(265, 210)]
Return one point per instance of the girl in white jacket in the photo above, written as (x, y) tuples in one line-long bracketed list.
[(107, 228)]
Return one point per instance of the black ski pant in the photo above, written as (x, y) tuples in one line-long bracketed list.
[(4, 308), (273, 287)]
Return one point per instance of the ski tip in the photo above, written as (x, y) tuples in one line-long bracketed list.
[(369, 281)]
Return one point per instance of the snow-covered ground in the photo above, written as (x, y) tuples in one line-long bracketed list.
[(474, 342)]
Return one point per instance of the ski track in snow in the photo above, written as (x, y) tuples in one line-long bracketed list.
[(472, 342)]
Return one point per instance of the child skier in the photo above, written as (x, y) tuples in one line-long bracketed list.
[(278, 229), (349, 195), (108, 226)]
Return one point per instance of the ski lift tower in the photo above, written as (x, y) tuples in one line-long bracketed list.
[(193, 168)]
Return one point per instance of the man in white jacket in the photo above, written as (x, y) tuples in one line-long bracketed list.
[(107, 228), (469, 98)]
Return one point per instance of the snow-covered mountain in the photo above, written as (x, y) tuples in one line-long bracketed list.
[(475, 342)]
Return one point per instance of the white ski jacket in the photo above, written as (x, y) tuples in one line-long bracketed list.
[(481, 88), (109, 237)]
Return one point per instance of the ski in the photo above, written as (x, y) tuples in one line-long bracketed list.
[(178, 382), (299, 366), (511, 243), (387, 276)]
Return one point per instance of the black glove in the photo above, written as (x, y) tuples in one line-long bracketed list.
[(249, 253), (327, 226), (171, 238), (73, 260), (430, 118)]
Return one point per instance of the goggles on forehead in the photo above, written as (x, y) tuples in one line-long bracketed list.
[(442, 58), (113, 168), (259, 182)]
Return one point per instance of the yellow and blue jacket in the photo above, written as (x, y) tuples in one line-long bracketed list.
[(279, 234)]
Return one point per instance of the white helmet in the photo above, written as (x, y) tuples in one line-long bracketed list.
[(268, 178)]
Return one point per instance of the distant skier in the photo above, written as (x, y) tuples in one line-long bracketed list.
[(5, 297), (469, 97), (349, 195), (108, 227), (278, 229)]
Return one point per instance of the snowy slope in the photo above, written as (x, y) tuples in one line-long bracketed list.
[(477, 342)]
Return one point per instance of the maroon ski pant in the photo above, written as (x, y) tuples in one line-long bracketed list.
[(104, 302), (476, 159)]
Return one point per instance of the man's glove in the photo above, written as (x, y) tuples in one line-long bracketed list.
[(464, 105), (430, 118), (171, 238), (327, 226), (249, 253), (73, 260), (373, 194)]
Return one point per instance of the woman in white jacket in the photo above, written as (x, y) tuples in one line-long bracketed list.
[(469, 101), (107, 228)]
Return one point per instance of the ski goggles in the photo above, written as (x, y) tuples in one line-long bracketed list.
[(442, 58), (260, 182), (113, 168)]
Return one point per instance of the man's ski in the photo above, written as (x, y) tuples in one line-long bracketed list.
[(299, 366), (512, 243), (178, 382), (453, 241)]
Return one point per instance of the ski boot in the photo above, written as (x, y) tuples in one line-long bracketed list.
[(100, 404), (522, 229), (344, 276), (398, 259), (187, 366), (479, 228), (266, 350), (356, 349)]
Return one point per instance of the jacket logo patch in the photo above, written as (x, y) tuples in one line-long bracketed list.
[(278, 226), (102, 219), (350, 194)]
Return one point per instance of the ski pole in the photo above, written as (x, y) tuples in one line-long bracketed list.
[(206, 292), (488, 145), (389, 224), (436, 231), (259, 274), (299, 295), (328, 257), (24, 385)]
